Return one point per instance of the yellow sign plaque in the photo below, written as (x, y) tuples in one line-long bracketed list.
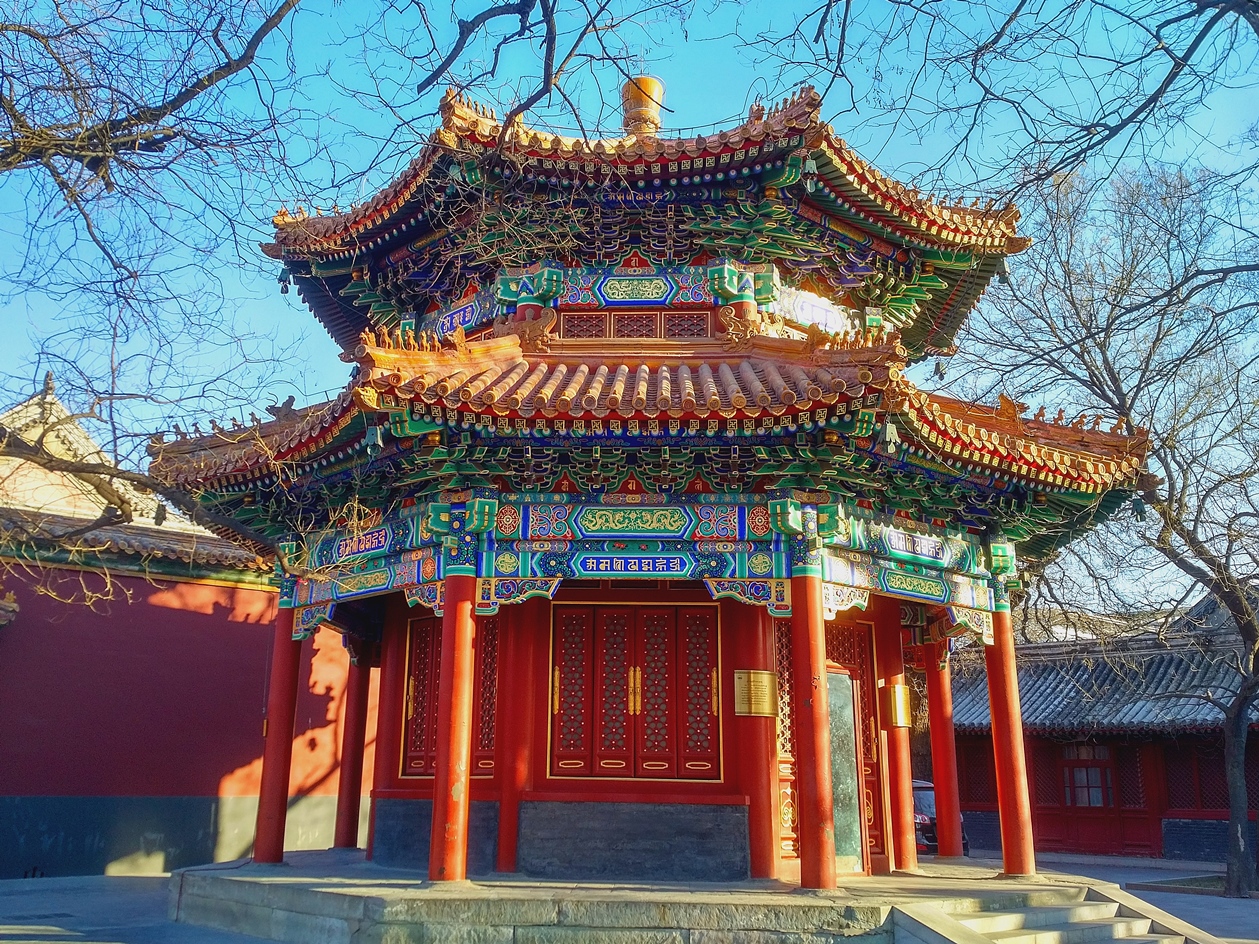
[(755, 693), (897, 707)]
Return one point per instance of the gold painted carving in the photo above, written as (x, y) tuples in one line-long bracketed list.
[(632, 520), (534, 333), (635, 289)]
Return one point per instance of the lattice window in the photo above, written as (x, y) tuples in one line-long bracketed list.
[(782, 658), (686, 324), (1046, 763), (1178, 764), (584, 324), (976, 771), (1212, 781), (1131, 775), (487, 697), (636, 324), (842, 645), (423, 696)]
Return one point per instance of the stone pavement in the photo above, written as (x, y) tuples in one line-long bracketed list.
[(133, 910), (97, 909)]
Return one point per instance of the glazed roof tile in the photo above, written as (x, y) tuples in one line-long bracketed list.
[(198, 547), (1130, 687), (591, 380), (467, 126)]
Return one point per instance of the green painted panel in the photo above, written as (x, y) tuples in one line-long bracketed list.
[(845, 772)]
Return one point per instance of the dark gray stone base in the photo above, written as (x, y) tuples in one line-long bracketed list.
[(81, 835), (982, 829), (634, 841), (403, 827), (1200, 840)]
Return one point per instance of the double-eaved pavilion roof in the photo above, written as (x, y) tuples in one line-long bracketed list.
[(779, 188), (805, 282)]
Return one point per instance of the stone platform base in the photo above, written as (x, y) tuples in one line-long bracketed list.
[(338, 898)]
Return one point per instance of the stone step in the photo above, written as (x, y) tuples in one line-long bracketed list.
[(1013, 900), (1104, 929), (1039, 917)]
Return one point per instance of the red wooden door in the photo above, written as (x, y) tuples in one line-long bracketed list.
[(634, 693)]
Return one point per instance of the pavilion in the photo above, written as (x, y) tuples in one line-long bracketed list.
[(632, 502)]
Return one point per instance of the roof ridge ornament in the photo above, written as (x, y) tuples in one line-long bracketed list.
[(641, 100)]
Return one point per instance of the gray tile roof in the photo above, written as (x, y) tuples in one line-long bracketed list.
[(1140, 685)]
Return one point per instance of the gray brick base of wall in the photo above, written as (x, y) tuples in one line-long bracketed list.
[(1200, 840), (403, 828), (626, 841), (983, 828)]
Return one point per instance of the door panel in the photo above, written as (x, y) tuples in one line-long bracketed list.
[(614, 641), (699, 699), (571, 691), (656, 743)]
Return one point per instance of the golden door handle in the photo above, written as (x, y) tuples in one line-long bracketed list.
[(555, 692), (714, 691), (410, 697), (638, 691), (629, 690)]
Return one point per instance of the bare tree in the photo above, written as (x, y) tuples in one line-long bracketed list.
[(1139, 300)]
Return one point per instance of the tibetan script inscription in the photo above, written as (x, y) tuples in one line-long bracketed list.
[(632, 566), (755, 693)]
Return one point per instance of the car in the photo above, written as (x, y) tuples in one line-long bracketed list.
[(925, 820)]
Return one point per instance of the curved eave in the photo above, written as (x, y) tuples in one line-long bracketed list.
[(1029, 451)]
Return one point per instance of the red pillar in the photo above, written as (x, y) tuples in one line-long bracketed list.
[(277, 751), (752, 633), (353, 735), (943, 749), (900, 774), (448, 848), (389, 704), (1018, 853), (811, 712)]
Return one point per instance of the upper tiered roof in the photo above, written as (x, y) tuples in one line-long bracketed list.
[(779, 188)]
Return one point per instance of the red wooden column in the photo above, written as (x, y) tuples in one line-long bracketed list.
[(893, 705), (1018, 853), (353, 735), (812, 718), (277, 751), (389, 705), (448, 848), (751, 631), (522, 625), (943, 748)]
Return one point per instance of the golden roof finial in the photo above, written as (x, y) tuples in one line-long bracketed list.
[(641, 99)]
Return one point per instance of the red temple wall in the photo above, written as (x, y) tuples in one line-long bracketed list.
[(131, 728)]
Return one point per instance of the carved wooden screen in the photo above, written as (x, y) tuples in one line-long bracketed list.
[(634, 693), (424, 656)]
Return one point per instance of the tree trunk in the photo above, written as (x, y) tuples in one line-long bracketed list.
[(1239, 878)]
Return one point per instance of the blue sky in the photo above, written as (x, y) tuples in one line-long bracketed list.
[(709, 80)]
